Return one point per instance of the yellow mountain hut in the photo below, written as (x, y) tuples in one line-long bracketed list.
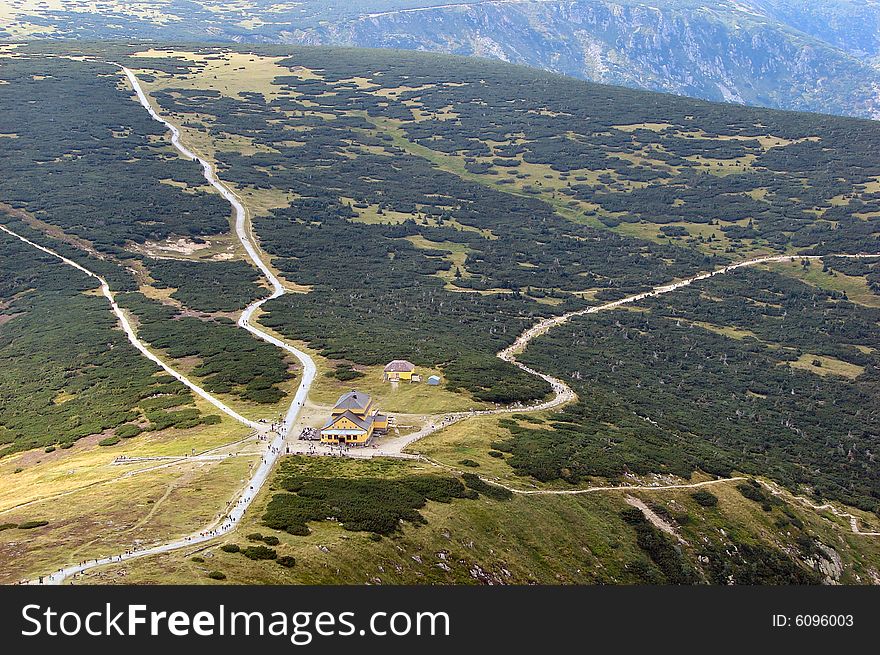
[(398, 370), (353, 421)]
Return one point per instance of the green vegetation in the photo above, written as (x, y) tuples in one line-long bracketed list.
[(434, 213), (30, 525), (344, 373), (668, 395), (67, 371), (259, 552), (705, 498), (128, 431), (208, 286), (230, 360), (663, 552), (748, 564), (85, 158), (539, 539), (369, 504), (485, 488)]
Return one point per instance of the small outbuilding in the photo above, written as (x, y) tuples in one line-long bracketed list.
[(398, 370), (434, 380)]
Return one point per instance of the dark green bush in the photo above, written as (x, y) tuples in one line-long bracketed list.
[(287, 561), (128, 431), (109, 441), (259, 552), (665, 554), (482, 487), (705, 498), (468, 462), (217, 575), (368, 504), (753, 491), (29, 525), (230, 548)]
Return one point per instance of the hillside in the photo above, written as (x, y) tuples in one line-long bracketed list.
[(820, 57), (434, 208)]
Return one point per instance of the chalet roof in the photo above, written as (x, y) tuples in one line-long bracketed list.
[(362, 423), (357, 400), (399, 365)]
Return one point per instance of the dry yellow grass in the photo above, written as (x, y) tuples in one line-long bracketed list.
[(823, 365)]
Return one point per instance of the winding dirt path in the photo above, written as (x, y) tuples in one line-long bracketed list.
[(133, 338), (562, 393), (803, 500), (275, 447)]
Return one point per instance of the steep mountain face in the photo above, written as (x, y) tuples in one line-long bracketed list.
[(812, 56), (737, 52)]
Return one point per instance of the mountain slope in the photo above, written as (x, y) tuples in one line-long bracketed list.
[(822, 57)]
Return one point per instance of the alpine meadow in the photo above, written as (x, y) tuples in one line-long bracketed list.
[(289, 314)]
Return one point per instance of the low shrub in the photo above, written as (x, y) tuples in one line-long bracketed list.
[(230, 548), (109, 441), (286, 561), (271, 540), (50, 449), (361, 505), (468, 462), (705, 498), (197, 559), (255, 536), (217, 575), (482, 487), (345, 373), (30, 525), (496, 453), (128, 431), (664, 553), (7, 526), (259, 552), (753, 491)]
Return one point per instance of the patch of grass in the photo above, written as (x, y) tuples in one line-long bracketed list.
[(824, 365)]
